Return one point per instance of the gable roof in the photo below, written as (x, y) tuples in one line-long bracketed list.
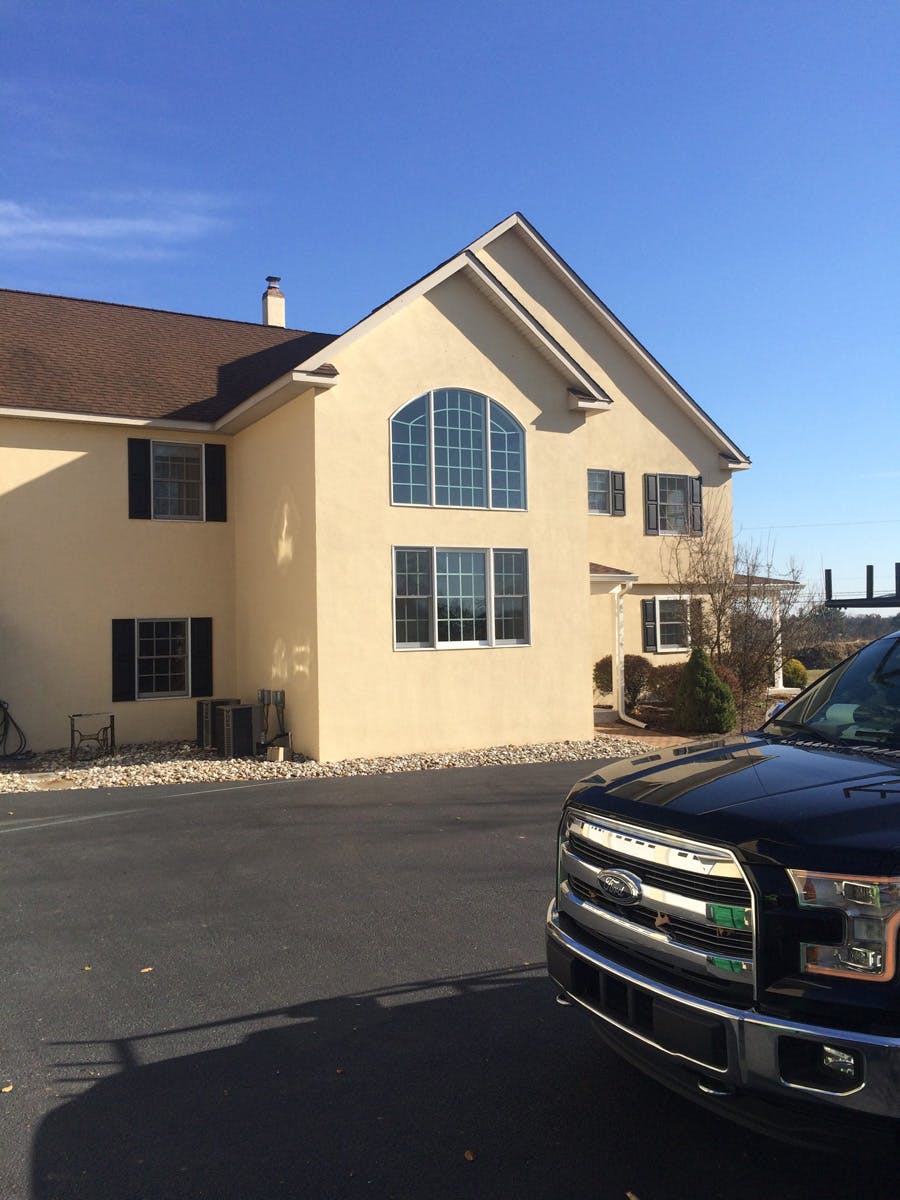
[(87, 357), (467, 261)]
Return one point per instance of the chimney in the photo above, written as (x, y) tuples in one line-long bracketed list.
[(273, 302)]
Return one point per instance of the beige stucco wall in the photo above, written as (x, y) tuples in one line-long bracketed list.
[(275, 539), (375, 699), (71, 561)]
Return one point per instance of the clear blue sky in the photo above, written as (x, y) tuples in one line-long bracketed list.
[(724, 175)]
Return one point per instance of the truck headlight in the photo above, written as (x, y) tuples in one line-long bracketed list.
[(871, 911)]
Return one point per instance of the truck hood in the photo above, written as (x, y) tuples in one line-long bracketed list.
[(773, 800)]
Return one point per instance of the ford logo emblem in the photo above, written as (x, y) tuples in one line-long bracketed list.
[(621, 887)]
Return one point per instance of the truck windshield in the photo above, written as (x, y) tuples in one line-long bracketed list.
[(857, 702)]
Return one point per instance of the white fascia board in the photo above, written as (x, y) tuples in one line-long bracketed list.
[(34, 414), (623, 334), (382, 314), (605, 578), (465, 261), (551, 347), (273, 396)]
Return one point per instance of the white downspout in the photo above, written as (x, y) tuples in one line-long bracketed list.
[(618, 595), (777, 656)]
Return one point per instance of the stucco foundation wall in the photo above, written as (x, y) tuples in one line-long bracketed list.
[(378, 700), (71, 561), (275, 484)]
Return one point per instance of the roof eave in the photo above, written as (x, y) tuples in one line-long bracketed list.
[(276, 394)]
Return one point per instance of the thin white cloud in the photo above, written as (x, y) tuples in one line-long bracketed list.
[(117, 225)]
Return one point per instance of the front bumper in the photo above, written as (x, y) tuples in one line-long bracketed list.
[(725, 1057)]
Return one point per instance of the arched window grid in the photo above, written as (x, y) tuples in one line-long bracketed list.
[(452, 448)]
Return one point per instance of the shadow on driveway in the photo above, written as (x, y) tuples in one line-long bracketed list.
[(383, 1094)]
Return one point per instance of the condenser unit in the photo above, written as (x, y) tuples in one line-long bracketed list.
[(238, 729), (206, 721)]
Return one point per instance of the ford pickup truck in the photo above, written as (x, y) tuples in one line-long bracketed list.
[(728, 911)]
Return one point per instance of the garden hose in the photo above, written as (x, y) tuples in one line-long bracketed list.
[(9, 727)]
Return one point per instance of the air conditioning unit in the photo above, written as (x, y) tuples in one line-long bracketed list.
[(238, 729), (206, 721)]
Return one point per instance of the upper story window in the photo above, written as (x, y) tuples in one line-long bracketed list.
[(606, 492), (673, 504), (176, 481), (457, 449)]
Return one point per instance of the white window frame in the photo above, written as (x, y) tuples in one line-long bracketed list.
[(660, 648), (491, 642), (177, 516), (138, 694), (600, 512), (432, 486)]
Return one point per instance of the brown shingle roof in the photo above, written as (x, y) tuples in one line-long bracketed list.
[(88, 357)]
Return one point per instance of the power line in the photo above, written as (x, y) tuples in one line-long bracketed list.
[(818, 525)]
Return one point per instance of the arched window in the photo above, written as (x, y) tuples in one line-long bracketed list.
[(457, 449)]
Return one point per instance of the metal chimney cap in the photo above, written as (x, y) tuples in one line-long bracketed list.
[(273, 280)]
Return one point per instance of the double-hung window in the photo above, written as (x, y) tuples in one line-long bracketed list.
[(452, 448), (606, 492), (446, 598), (666, 624), (154, 658), (176, 481), (673, 504)]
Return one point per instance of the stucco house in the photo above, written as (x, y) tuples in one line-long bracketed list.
[(425, 530)]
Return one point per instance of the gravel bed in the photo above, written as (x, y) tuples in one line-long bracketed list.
[(182, 762)]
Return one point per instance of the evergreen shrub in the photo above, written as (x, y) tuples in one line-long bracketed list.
[(703, 704), (794, 674)]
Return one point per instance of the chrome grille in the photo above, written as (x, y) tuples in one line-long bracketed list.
[(684, 902)]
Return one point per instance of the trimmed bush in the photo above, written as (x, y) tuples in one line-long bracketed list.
[(603, 675), (704, 704), (794, 674), (638, 673), (665, 681)]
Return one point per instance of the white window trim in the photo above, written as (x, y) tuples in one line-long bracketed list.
[(660, 648), (491, 642), (192, 520), (432, 503), (150, 696)]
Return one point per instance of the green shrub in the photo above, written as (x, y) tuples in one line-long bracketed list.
[(704, 704), (794, 674), (638, 672), (603, 675)]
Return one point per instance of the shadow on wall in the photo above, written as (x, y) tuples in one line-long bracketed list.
[(383, 1094)]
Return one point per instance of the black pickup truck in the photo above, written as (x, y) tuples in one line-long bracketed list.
[(728, 911)]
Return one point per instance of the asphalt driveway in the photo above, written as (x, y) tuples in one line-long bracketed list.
[(327, 988)]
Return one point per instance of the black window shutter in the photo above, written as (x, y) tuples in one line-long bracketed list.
[(648, 615), (201, 656), (216, 507), (139, 479), (618, 493), (651, 505), (123, 659), (697, 505)]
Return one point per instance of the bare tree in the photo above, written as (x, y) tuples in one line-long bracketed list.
[(739, 602)]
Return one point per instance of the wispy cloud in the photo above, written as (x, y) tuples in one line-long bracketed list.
[(117, 225)]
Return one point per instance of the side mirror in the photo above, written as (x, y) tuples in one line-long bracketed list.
[(774, 709)]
